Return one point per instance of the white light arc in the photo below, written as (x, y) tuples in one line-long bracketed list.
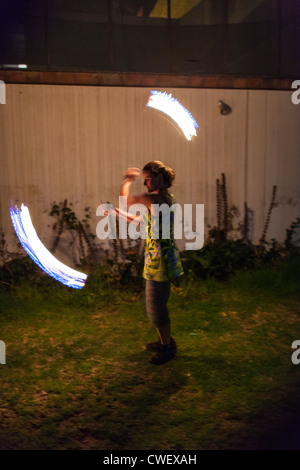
[(38, 252), (165, 103)]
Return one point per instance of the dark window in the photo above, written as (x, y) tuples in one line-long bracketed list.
[(228, 37)]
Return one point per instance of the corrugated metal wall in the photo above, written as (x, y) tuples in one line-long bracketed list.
[(74, 142)]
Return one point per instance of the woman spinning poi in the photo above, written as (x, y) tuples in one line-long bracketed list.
[(162, 262)]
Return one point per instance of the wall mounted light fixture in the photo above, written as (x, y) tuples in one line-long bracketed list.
[(224, 108)]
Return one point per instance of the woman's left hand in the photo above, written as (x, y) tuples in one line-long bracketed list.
[(132, 173)]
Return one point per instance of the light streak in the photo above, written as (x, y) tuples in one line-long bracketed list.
[(38, 252), (165, 103), (15, 66)]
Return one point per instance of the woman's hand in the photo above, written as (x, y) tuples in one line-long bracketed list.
[(132, 173)]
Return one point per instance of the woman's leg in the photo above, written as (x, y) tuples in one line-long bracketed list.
[(165, 333), (157, 295)]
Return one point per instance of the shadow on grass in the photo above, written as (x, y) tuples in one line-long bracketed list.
[(130, 408), (285, 436)]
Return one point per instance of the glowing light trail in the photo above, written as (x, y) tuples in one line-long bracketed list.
[(39, 254), (165, 103)]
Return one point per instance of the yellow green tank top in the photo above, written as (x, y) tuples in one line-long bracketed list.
[(162, 259)]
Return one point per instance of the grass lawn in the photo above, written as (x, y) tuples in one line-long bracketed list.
[(77, 374)]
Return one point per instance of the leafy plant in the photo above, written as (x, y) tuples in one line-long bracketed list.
[(290, 232), (66, 219), (272, 204), (221, 257), (220, 260)]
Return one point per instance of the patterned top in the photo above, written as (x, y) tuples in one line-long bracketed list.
[(162, 261)]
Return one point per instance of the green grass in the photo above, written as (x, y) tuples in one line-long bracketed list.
[(77, 374)]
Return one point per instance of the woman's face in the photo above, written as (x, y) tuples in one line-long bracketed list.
[(152, 182)]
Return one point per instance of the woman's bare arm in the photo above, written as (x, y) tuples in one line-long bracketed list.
[(130, 176)]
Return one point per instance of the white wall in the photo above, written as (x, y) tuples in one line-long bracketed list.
[(74, 142)]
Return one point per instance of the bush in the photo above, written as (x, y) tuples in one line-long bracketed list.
[(222, 258), (18, 270)]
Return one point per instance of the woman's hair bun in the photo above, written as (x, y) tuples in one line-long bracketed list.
[(157, 167)]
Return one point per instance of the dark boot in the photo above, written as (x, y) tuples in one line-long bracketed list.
[(166, 353)]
